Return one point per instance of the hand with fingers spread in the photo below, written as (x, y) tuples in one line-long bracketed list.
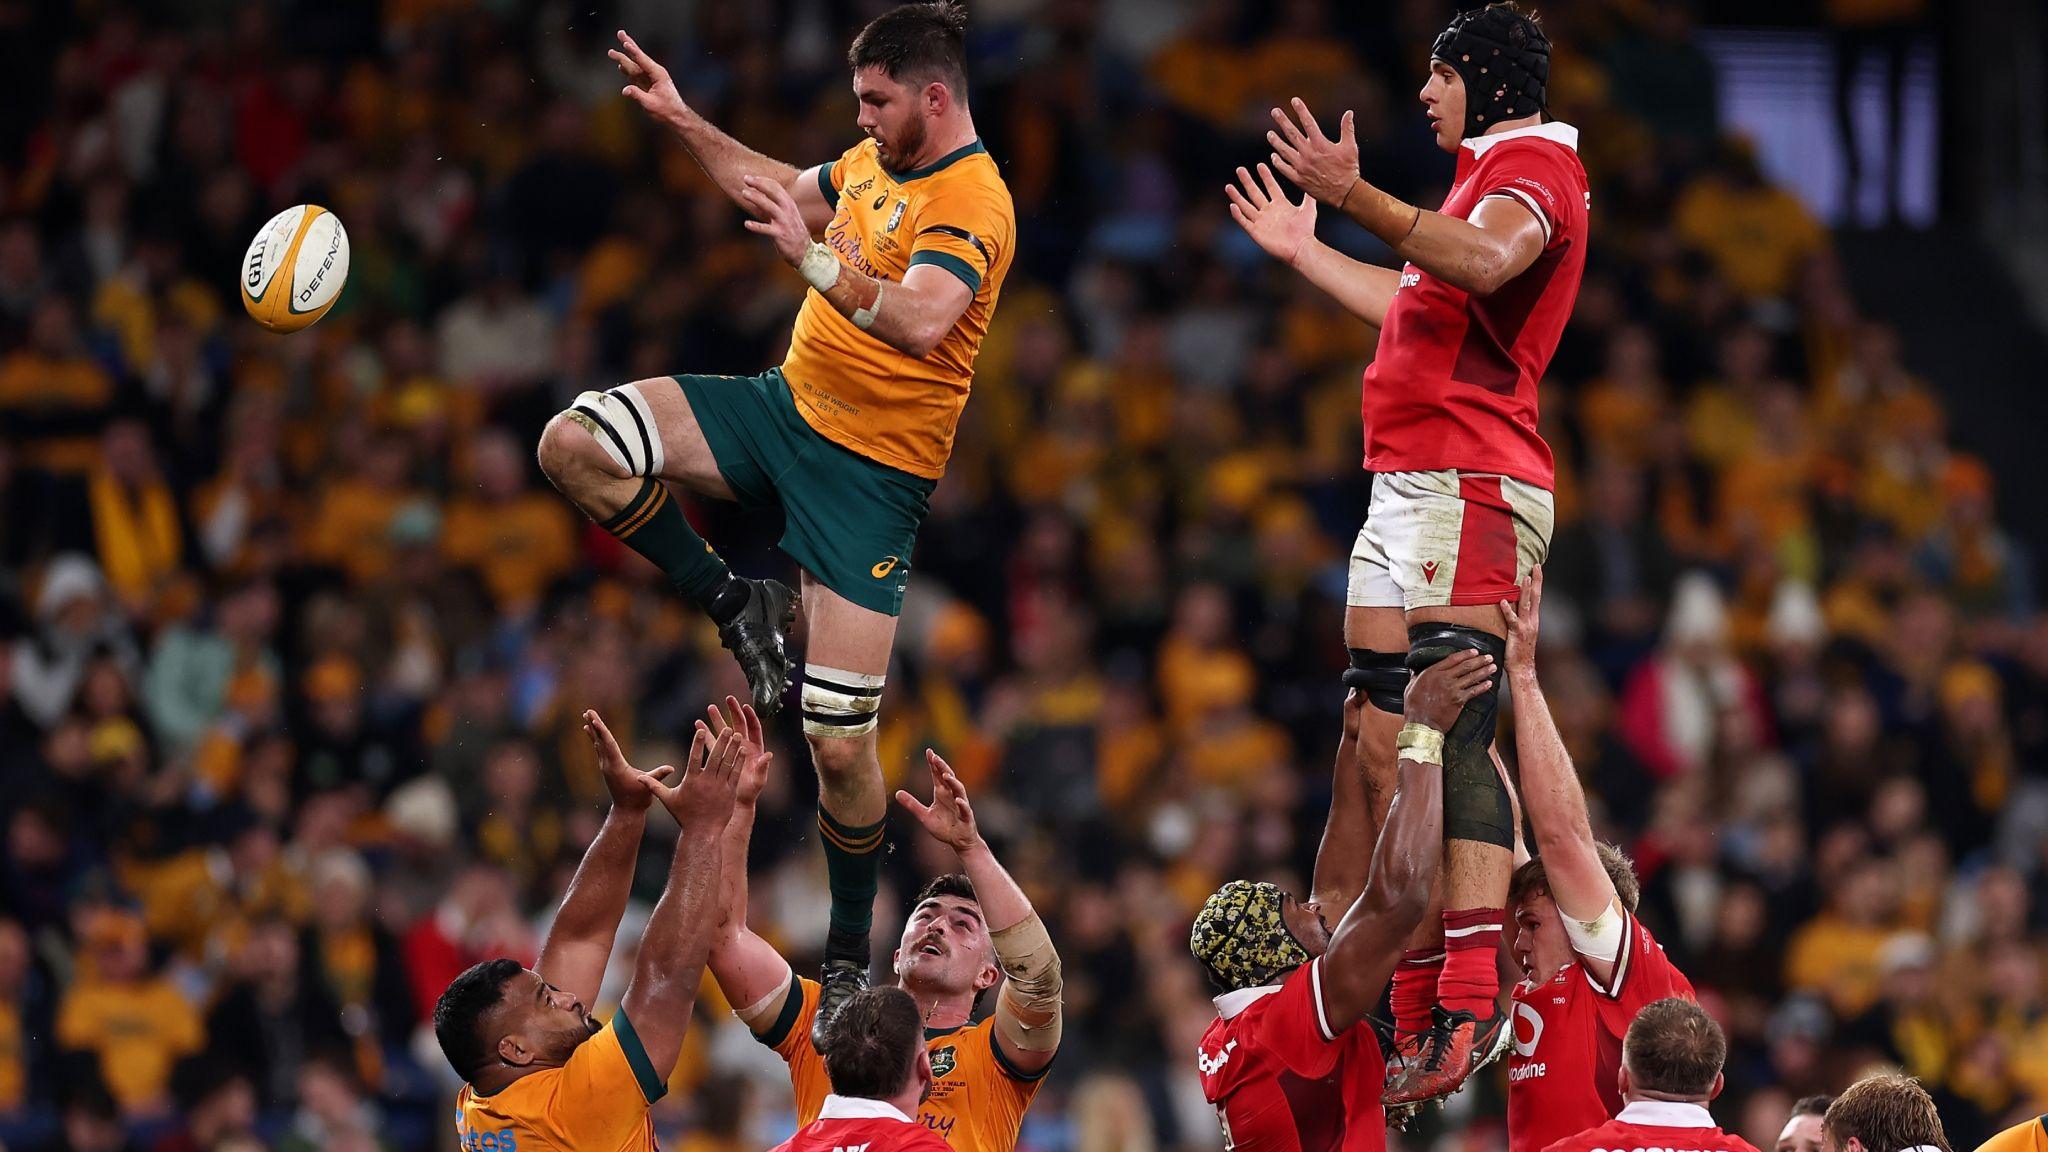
[(1523, 621), (1278, 225), (702, 801), (629, 787), (1437, 696), (949, 817), (779, 218), (647, 83), (1324, 168), (755, 758)]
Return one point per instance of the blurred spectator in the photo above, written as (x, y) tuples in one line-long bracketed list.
[(132, 1020)]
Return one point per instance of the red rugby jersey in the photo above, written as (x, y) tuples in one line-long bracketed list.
[(1565, 1064), (1453, 384), (853, 1124), (1281, 1081), (1656, 1126)]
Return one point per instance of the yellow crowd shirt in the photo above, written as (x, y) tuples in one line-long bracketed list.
[(596, 1102), (857, 391), (977, 1101)]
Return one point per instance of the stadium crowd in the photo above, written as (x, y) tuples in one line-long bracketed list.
[(296, 639)]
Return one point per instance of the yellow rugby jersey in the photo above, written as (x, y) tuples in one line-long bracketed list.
[(854, 389), (977, 1102), (597, 1102)]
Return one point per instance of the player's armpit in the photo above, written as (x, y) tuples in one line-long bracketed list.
[(816, 192)]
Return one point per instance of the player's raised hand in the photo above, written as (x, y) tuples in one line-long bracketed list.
[(779, 218), (630, 788), (1523, 620), (949, 817), (1437, 696), (647, 82), (1324, 168), (1278, 225), (702, 801), (755, 758)]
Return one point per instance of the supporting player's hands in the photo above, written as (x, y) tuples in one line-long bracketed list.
[(949, 817), (1437, 696), (631, 788), (647, 82), (779, 218), (1523, 619), (1324, 168), (755, 757), (702, 801), (1278, 225)]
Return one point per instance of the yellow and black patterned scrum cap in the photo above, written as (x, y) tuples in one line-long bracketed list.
[(1240, 937)]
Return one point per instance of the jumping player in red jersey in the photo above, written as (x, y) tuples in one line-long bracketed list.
[(1461, 505), (1670, 1070), (875, 1055), (1589, 964), (1290, 1063)]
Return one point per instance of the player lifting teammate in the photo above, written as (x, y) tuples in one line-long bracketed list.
[(1461, 504), (904, 241), (540, 1073), (1589, 965), (1290, 1063)]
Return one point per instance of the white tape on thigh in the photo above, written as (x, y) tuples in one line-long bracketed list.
[(839, 703), (624, 427)]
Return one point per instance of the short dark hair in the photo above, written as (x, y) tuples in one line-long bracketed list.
[(460, 1012), (1531, 880), (920, 42), (954, 884), (1674, 1048), (1887, 1112), (1814, 1105), (872, 1043)]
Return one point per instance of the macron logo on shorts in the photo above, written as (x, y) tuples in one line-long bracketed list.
[(1429, 571)]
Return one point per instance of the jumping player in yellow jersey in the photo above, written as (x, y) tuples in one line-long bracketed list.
[(968, 933), (542, 1075), (904, 240)]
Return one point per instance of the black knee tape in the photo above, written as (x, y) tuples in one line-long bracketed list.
[(1476, 804), (1382, 676)]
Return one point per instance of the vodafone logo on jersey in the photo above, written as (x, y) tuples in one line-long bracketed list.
[(1527, 1024)]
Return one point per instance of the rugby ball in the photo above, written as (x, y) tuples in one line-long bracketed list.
[(295, 267)]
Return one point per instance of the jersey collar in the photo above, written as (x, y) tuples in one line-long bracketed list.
[(943, 162), (1557, 131), (1665, 1114), (859, 1108), (1231, 1003)]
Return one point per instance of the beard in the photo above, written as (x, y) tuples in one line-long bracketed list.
[(909, 143)]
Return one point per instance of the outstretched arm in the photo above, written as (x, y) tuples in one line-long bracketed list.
[(754, 978), (678, 936), (579, 943), (1501, 240), (1550, 784), (1027, 1033), (727, 161), (1286, 231), (1368, 941), (1344, 858)]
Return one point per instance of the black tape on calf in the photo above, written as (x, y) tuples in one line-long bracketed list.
[(1476, 804), (1382, 676)]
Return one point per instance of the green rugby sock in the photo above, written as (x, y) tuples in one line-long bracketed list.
[(853, 871), (654, 526)]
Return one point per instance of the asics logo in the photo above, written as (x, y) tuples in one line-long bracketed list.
[(887, 565)]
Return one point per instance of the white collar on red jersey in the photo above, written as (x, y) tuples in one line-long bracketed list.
[(859, 1108), (1231, 1003), (1557, 131), (1665, 1114)]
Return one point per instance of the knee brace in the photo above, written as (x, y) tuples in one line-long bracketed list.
[(1382, 676), (837, 703), (623, 425), (1476, 803)]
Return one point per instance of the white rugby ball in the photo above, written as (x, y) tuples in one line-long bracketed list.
[(294, 269)]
